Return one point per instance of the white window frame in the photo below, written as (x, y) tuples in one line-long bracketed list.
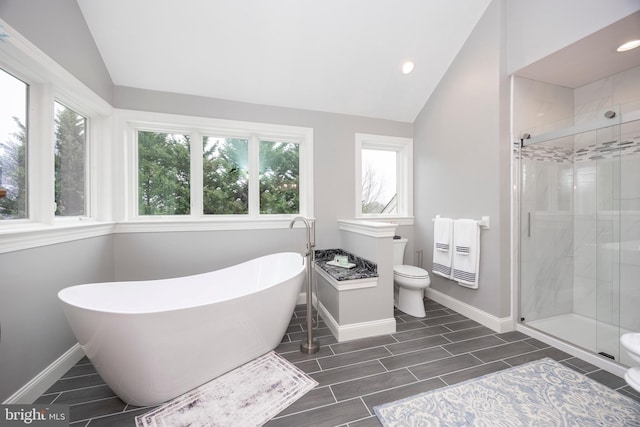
[(403, 147), (49, 82), (130, 122)]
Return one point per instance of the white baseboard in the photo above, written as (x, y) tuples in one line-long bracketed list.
[(32, 390), (302, 298), (356, 330), (504, 324)]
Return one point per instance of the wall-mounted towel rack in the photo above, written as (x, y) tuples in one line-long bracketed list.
[(482, 223)]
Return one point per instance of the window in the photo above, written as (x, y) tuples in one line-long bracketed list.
[(218, 171), (384, 175), (225, 176), (279, 178), (70, 160), (164, 174), (379, 187), (13, 147)]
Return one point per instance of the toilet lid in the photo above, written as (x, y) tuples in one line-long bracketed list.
[(410, 271)]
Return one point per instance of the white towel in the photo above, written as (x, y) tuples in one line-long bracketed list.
[(466, 254), (442, 251)]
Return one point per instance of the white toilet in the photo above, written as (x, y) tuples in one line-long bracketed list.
[(409, 282), (631, 343)]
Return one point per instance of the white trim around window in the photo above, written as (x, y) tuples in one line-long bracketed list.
[(403, 147), (129, 122), (48, 82)]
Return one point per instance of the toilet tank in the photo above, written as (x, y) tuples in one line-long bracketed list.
[(398, 251)]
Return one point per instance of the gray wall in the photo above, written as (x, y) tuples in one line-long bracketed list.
[(142, 256), (58, 29), (34, 329), (461, 161)]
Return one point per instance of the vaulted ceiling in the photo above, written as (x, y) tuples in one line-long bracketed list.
[(341, 56)]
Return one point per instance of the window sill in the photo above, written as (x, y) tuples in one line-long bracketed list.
[(167, 224), (32, 235), (398, 220), (26, 236)]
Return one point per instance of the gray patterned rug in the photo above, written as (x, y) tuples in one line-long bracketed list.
[(540, 393), (247, 396)]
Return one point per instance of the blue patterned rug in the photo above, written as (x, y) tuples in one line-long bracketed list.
[(540, 393)]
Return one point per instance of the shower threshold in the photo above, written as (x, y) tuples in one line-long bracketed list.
[(585, 332)]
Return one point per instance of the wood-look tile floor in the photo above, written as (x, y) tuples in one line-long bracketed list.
[(440, 349)]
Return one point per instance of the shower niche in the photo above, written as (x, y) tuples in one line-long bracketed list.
[(577, 180)]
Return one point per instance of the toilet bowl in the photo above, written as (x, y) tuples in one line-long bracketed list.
[(409, 282), (631, 343)]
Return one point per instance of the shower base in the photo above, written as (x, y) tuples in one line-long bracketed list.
[(587, 333)]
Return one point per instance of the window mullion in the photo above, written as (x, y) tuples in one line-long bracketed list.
[(134, 169), (90, 192), (101, 174), (406, 153), (401, 182), (358, 172), (254, 176), (196, 150), (40, 154)]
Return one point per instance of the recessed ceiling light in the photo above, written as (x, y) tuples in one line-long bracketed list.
[(407, 67), (629, 45)]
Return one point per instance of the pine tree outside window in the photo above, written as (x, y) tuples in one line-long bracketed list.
[(227, 162), (279, 177), (70, 162), (225, 176), (13, 147), (163, 173)]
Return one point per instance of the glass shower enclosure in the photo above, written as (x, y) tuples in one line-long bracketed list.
[(579, 239)]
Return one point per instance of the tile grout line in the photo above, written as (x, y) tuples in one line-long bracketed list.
[(498, 345), (78, 388), (361, 419), (349, 364), (55, 398), (89, 420), (335, 401), (78, 376), (365, 406)]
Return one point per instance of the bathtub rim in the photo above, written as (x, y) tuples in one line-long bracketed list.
[(64, 298)]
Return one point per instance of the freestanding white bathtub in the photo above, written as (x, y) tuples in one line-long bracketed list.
[(153, 340)]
